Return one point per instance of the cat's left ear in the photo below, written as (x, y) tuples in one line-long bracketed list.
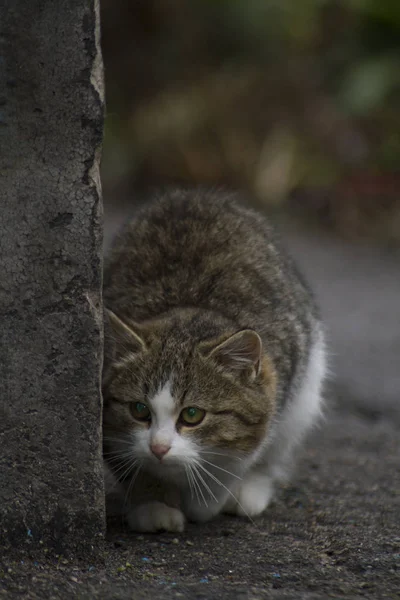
[(126, 336), (242, 351)]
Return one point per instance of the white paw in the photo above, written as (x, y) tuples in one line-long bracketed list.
[(155, 516), (252, 496), (200, 513)]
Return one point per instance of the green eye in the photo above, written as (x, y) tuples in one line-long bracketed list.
[(192, 416), (141, 412)]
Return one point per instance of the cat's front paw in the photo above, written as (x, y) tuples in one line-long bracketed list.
[(155, 516), (251, 497)]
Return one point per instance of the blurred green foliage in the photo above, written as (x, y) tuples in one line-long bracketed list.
[(272, 95)]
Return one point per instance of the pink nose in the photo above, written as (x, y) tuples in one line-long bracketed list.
[(159, 450)]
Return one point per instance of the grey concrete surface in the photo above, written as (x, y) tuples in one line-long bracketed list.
[(51, 488)]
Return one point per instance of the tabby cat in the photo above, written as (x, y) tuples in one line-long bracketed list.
[(214, 359)]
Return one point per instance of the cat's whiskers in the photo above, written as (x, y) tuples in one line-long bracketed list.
[(197, 474), (132, 482), (195, 484), (127, 466), (115, 481), (126, 439), (206, 486), (220, 468), (219, 482), (220, 454), (115, 456), (189, 482)]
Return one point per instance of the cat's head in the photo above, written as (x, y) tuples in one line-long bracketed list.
[(171, 401)]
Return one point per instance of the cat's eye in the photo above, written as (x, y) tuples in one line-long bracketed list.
[(140, 411), (192, 416)]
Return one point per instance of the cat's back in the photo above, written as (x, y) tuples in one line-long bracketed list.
[(185, 226), (200, 249)]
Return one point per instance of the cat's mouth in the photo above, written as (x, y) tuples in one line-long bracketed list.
[(167, 463), (167, 469)]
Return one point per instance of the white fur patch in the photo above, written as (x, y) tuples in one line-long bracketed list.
[(156, 516), (306, 406), (162, 403), (164, 416), (162, 430), (301, 413), (251, 497)]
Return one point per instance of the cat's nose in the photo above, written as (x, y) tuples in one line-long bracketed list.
[(159, 450)]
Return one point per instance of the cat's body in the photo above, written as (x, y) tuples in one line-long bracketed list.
[(214, 360)]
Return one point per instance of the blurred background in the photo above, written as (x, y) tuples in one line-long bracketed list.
[(298, 104)]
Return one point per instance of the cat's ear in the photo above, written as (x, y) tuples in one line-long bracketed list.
[(126, 336), (242, 351)]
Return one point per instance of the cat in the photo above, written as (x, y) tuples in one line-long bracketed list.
[(214, 360)]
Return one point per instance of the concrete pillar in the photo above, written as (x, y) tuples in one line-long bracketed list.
[(51, 122)]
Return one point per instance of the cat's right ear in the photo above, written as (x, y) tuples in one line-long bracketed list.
[(240, 352), (125, 336)]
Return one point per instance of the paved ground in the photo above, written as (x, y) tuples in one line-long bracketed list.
[(358, 288), (335, 532)]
